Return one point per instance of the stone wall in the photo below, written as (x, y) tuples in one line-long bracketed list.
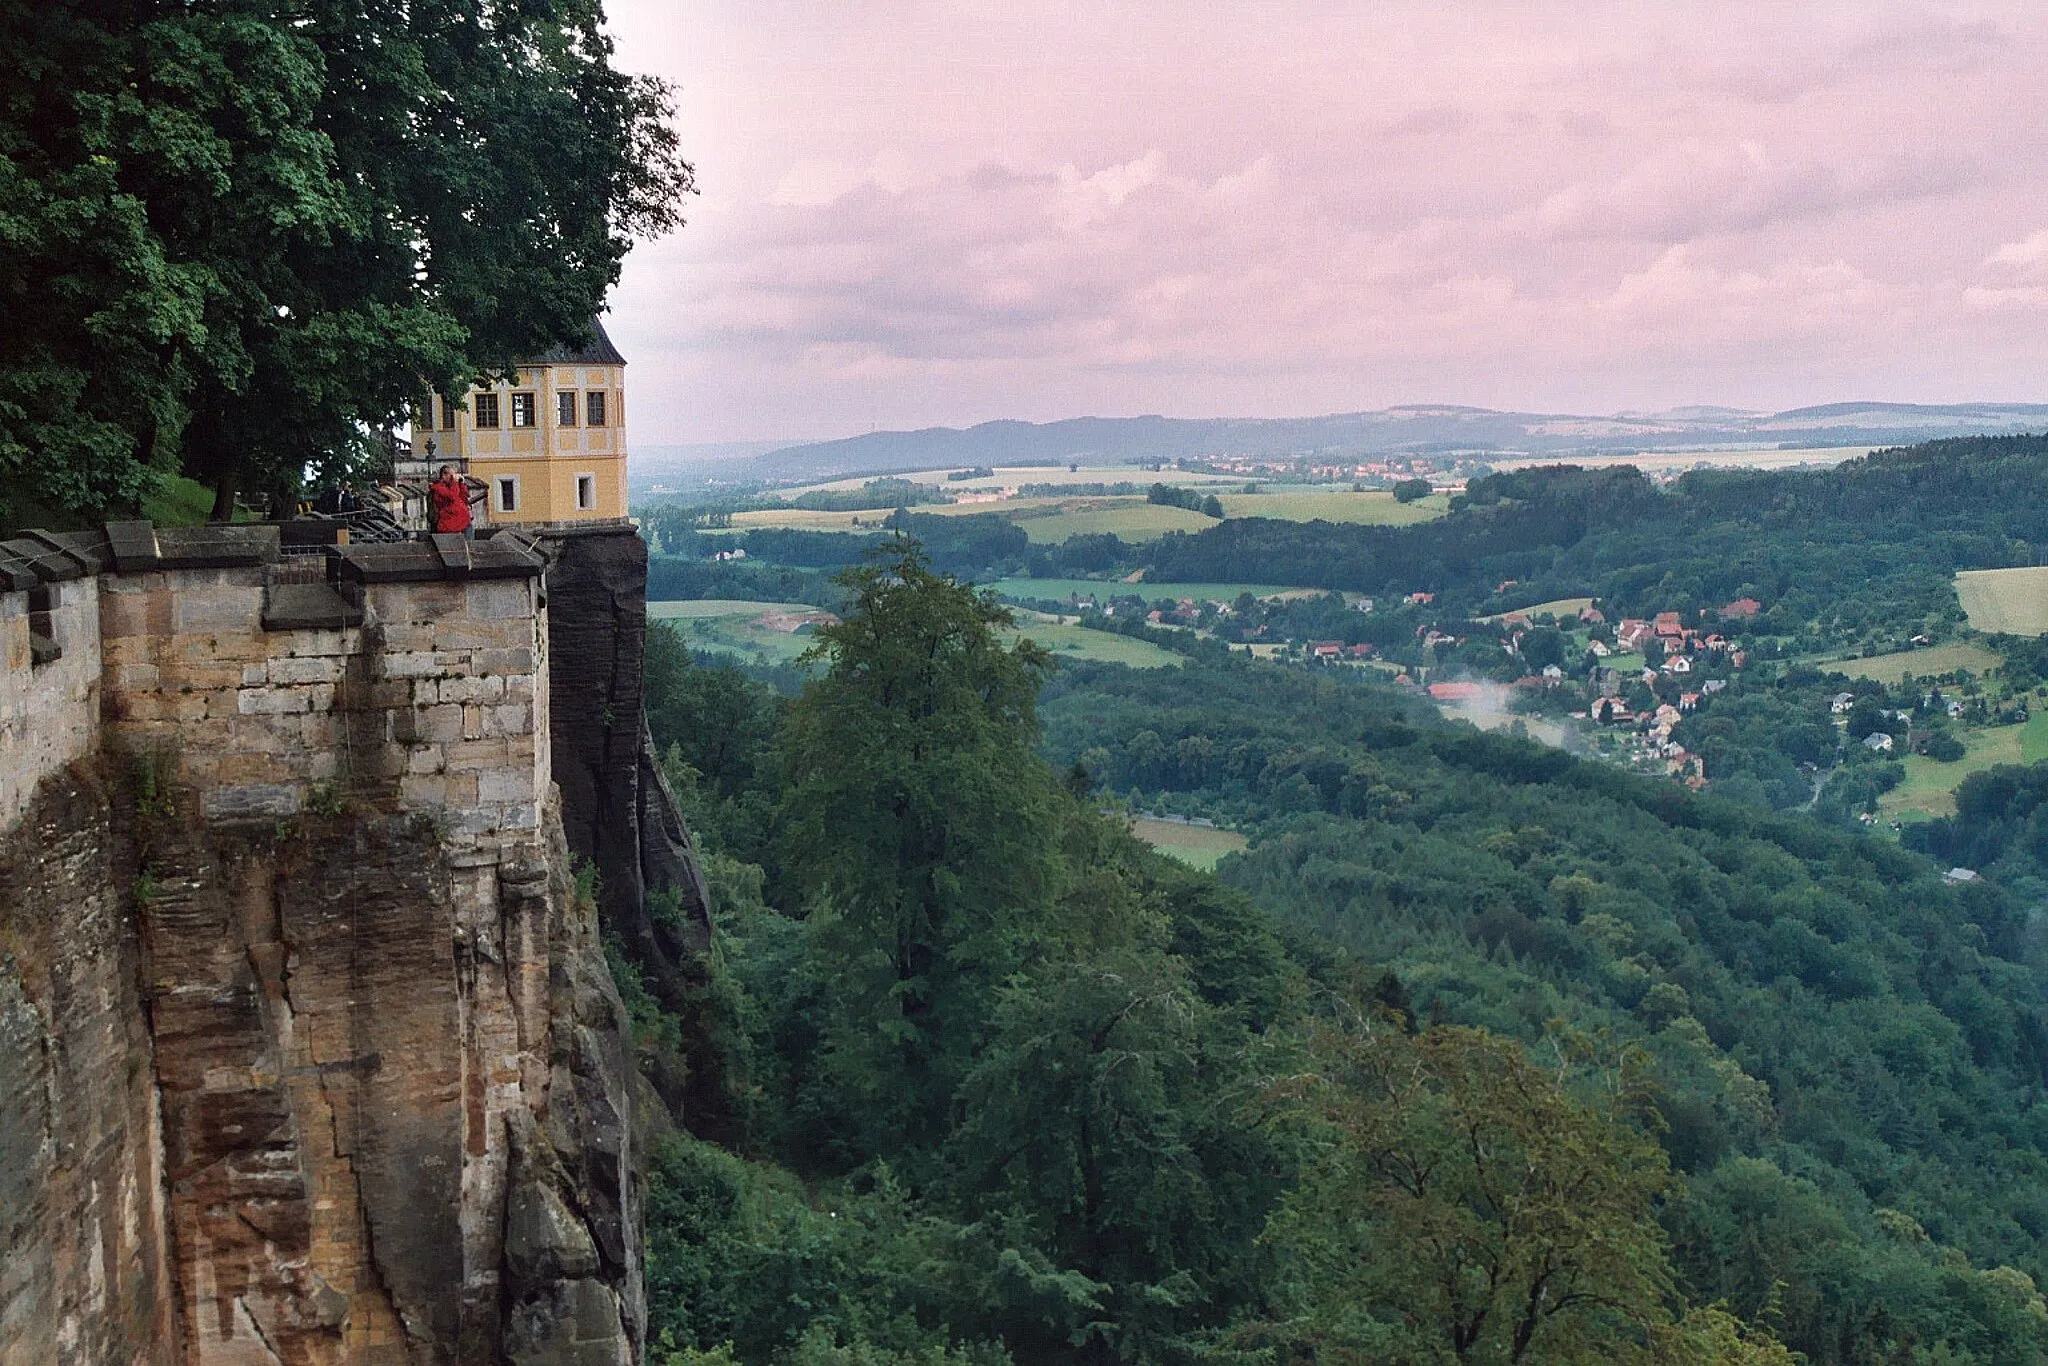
[(329, 1063)]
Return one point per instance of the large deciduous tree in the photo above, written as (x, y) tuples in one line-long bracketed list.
[(240, 240), (919, 826)]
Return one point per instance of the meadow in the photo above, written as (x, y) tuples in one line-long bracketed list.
[(1130, 519), (1102, 590), (1199, 846), (2008, 601), (731, 626), (1930, 787), (1562, 608), (1100, 647), (1372, 508), (1928, 662)]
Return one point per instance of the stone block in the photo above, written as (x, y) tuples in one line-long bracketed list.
[(499, 600), (272, 701), (225, 607), (252, 801), (423, 790), (306, 669), (410, 664), (127, 611), (255, 675), (472, 755), (483, 688), (136, 677), (506, 661), (508, 718), (425, 759), (504, 786)]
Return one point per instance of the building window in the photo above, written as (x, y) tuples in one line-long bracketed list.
[(522, 410), (42, 625), (447, 413), (487, 410), (593, 408), (586, 491), (508, 493), (565, 409)]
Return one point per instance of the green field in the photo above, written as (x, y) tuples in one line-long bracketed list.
[(1102, 590), (687, 609), (1132, 519), (1200, 846), (1930, 788), (1015, 476), (1376, 508), (2012, 601), (1925, 663), (1101, 647), (732, 626), (1556, 607)]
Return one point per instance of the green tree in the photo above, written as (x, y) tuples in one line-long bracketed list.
[(1411, 490), (241, 241), (918, 827), (1465, 1206)]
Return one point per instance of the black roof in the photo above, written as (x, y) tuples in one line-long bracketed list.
[(598, 351)]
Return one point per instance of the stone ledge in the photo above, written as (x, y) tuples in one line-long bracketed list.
[(308, 607)]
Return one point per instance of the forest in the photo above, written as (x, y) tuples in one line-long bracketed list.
[(1479, 1053)]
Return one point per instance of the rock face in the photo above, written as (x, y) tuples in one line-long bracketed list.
[(618, 811), (308, 1049), (84, 1276)]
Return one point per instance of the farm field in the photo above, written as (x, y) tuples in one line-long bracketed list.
[(1014, 476), (1200, 846), (2012, 601), (1102, 590), (1376, 508), (1935, 659), (1930, 787), (1132, 519), (1556, 607), (1667, 463), (1100, 647), (729, 626)]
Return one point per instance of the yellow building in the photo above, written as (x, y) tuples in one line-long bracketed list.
[(547, 446)]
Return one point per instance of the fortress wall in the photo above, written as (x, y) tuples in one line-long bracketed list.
[(323, 1059), (49, 711)]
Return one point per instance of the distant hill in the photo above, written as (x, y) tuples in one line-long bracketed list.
[(1417, 428)]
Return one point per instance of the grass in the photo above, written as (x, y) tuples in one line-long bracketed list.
[(1199, 846), (1014, 476), (1925, 663), (734, 626), (1102, 590), (1562, 608), (1376, 508), (2013, 601), (1930, 787), (1101, 647), (1132, 519), (720, 607)]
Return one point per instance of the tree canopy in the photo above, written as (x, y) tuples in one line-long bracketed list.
[(236, 242)]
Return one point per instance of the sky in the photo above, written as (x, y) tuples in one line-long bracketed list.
[(939, 212)]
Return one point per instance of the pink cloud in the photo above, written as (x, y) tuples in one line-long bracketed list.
[(948, 211)]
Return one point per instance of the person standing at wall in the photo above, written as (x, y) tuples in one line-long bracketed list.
[(448, 504)]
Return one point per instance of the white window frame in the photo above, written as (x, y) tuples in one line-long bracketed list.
[(502, 484), (586, 480)]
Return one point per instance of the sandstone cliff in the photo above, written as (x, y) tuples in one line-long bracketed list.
[(307, 1043)]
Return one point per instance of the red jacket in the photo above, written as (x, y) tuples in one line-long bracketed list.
[(449, 500)]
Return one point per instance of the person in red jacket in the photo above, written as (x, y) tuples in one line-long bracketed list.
[(448, 503)]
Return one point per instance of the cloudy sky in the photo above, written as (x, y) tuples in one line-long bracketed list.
[(921, 212)]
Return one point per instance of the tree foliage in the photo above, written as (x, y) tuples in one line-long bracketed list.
[(237, 242)]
